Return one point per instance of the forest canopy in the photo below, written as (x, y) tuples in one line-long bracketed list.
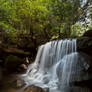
[(44, 19)]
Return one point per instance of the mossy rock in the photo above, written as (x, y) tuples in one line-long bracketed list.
[(12, 62)]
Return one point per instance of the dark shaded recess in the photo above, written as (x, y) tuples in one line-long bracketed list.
[(13, 63), (28, 44), (88, 33), (84, 83), (84, 44)]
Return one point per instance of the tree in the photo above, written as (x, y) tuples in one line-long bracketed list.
[(66, 13)]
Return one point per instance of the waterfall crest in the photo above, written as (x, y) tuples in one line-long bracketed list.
[(54, 65)]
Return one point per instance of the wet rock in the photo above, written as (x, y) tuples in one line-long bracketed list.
[(19, 83), (35, 89), (11, 90), (81, 69), (22, 68), (29, 89), (27, 60)]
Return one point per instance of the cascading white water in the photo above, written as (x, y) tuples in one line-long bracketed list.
[(54, 66)]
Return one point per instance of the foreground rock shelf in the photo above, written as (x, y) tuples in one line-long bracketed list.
[(12, 83)]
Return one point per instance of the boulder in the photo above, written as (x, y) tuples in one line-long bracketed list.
[(84, 44), (86, 67), (35, 89)]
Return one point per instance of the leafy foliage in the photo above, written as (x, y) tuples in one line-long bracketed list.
[(44, 20)]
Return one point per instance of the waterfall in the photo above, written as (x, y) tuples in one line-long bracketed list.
[(55, 66)]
